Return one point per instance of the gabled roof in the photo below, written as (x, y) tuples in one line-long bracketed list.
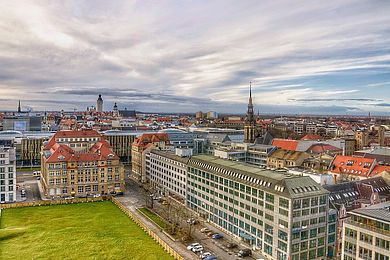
[(285, 144), (148, 138), (380, 168), (379, 211), (323, 148), (288, 155), (311, 137)]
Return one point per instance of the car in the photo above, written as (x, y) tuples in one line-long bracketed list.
[(192, 221), (189, 247), (231, 245), (204, 230), (211, 257), (204, 255), (198, 248), (165, 202), (217, 236), (244, 252), (210, 233)]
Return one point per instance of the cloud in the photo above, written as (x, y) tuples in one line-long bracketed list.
[(189, 55)]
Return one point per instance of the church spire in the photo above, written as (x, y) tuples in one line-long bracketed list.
[(250, 115), (250, 122), (19, 108)]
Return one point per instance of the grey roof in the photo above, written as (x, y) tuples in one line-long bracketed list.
[(379, 211), (171, 155), (286, 185)]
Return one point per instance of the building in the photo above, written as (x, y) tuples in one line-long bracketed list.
[(250, 121), (115, 111), (22, 123), (167, 172), (284, 216), (381, 154), (99, 104), (179, 138), (80, 163), (366, 235), (120, 142), (7, 174), (143, 145), (361, 138), (286, 159), (212, 115), (199, 115)]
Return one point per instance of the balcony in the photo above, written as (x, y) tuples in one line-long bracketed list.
[(369, 227)]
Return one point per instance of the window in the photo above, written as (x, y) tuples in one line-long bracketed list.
[(269, 197), (366, 238), (382, 243), (80, 189), (365, 253), (283, 203)]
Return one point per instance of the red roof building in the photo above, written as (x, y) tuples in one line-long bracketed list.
[(285, 144), (354, 166), (312, 137), (80, 163)]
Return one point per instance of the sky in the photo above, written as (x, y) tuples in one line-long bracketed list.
[(304, 57)]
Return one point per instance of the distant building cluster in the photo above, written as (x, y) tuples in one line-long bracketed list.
[(291, 187)]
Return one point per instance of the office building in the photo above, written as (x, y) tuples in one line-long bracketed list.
[(167, 172), (284, 216), (7, 174), (366, 235), (80, 163)]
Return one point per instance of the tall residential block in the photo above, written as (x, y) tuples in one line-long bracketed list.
[(7, 174)]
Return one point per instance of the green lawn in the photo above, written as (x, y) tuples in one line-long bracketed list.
[(76, 231), (161, 223)]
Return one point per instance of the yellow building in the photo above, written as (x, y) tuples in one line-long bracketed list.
[(80, 163)]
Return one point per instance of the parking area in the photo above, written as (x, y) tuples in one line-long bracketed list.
[(27, 187)]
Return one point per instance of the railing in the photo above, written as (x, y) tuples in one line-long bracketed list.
[(51, 202), (368, 227), (148, 231)]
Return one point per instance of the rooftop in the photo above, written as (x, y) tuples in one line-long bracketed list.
[(171, 155), (379, 211), (276, 182)]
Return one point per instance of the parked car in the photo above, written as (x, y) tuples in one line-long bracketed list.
[(217, 236), (244, 252), (23, 192), (210, 233), (204, 230), (189, 247), (204, 255), (211, 257), (231, 245), (198, 248)]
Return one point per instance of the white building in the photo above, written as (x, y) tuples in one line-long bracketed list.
[(7, 174), (167, 173)]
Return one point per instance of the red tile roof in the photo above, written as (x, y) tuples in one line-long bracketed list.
[(147, 138), (352, 165), (59, 152), (285, 144), (311, 137), (323, 148), (380, 168)]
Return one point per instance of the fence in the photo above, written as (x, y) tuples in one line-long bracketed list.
[(51, 202), (153, 235)]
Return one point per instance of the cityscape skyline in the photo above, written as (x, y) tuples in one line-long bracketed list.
[(316, 58)]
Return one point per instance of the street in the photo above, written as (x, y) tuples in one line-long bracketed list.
[(26, 181)]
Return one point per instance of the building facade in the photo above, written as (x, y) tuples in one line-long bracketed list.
[(167, 173), (283, 216), (79, 164), (7, 174), (366, 235), (143, 145)]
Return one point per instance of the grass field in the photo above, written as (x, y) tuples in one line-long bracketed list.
[(161, 223), (76, 231)]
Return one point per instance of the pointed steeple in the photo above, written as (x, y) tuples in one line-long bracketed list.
[(250, 114), (19, 108)]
